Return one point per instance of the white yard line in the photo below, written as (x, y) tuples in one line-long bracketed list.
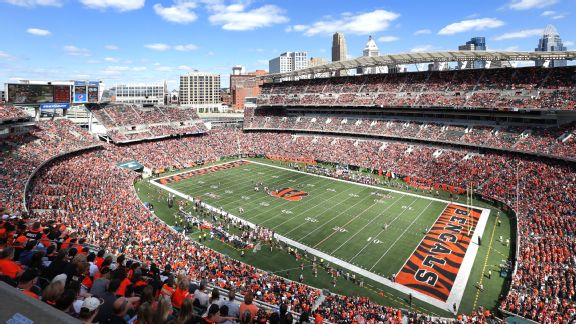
[(314, 206), (287, 202), (333, 218), (401, 235), (381, 231), (370, 222)]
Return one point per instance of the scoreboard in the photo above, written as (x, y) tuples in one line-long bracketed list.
[(47, 95), (61, 94)]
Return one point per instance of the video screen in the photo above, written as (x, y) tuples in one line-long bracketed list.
[(30, 93), (93, 94), (61, 94)]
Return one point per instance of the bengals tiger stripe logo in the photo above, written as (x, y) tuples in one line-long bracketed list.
[(433, 267), (289, 194)]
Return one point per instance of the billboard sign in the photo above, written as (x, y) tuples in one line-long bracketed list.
[(92, 94), (52, 106), (80, 94)]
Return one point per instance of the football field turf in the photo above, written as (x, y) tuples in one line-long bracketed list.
[(377, 230)]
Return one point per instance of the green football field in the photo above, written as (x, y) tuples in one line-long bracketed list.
[(345, 220), (342, 219)]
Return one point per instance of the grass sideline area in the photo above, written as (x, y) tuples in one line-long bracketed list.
[(267, 211)]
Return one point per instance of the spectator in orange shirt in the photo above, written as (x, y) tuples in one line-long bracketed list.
[(8, 267), (248, 306)]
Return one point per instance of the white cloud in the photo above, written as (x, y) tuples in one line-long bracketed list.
[(184, 68), (181, 12), (112, 47), (76, 51), (93, 62), (422, 48), (471, 24), (530, 4), (6, 56), (297, 28), (120, 5), (359, 24), (118, 68), (519, 34), (238, 17), (35, 3), (158, 47), (388, 39), (112, 59), (139, 68), (38, 31), (423, 32), (552, 14), (186, 48), (163, 68), (263, 62)]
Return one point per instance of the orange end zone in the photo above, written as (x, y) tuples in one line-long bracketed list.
[(433, 266), (198, 172)]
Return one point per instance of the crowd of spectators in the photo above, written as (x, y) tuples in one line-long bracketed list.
[(21, 154), (96, 202), (125, 123), (558, 141), (10, 112), (508, 89)]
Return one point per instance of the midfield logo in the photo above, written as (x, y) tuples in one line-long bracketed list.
[(289, 194)]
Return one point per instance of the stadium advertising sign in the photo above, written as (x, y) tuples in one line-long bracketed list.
[(92, 93), (52, 106), (30, 93), (80, 92)]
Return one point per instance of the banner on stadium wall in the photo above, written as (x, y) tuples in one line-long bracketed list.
[(131, 165), (291, 159), (429, 184)]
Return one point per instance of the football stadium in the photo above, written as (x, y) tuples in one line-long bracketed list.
[(361, 190)]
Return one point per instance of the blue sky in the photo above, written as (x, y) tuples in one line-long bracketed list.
[(154, 40)]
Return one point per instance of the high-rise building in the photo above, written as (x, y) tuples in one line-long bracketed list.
[(288, 62), (550, 42), (474, 44), (339, 51), (244, 85), (201, 90), (140, 93)]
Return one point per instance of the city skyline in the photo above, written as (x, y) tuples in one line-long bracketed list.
[(138, 41)]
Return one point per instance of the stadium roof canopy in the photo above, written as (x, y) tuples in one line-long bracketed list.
[(424, 57)]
